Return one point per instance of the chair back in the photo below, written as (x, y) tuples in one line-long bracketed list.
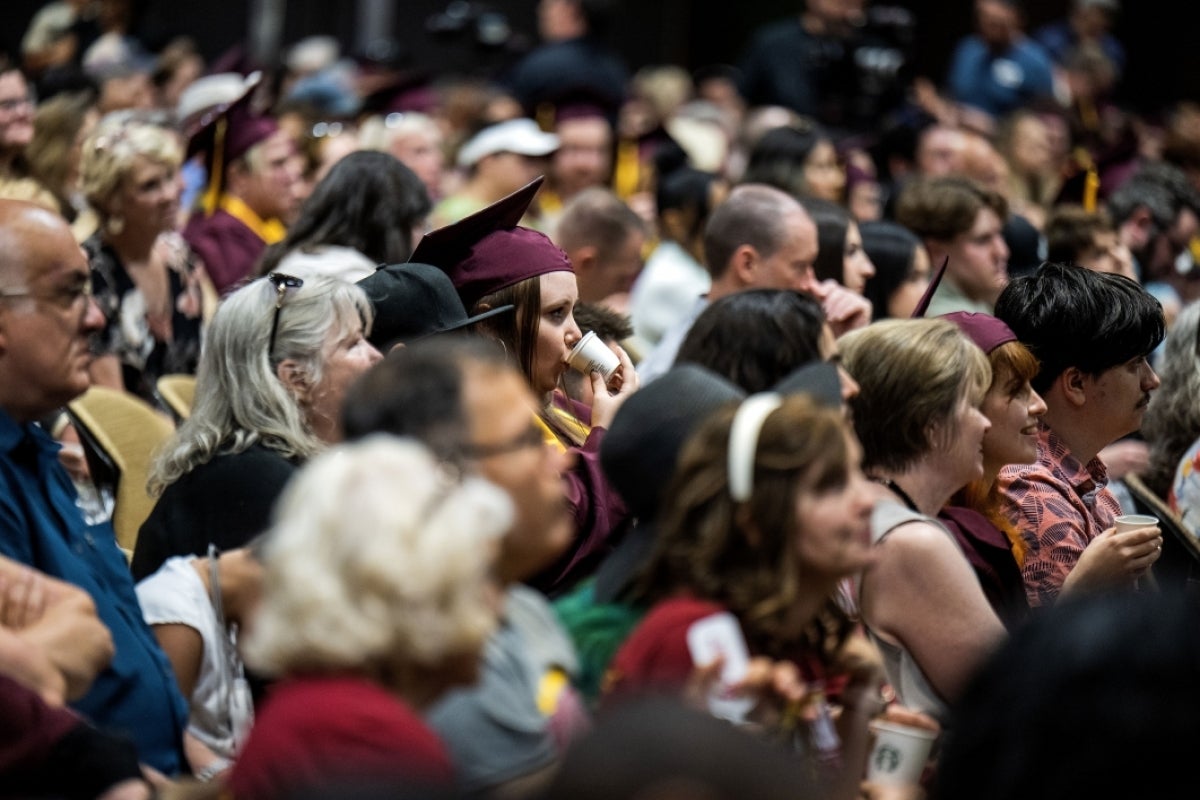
[(177, 392), (125, 432), (1179, 565)]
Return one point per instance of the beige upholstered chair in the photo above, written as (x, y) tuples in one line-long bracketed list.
[(122, 433)]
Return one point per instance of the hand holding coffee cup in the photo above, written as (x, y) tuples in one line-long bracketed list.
[(1131, 522)]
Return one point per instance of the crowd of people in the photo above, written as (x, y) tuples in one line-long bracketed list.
[(882, 359)]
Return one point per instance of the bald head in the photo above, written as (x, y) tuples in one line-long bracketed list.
[(46, 312), (756, 215)]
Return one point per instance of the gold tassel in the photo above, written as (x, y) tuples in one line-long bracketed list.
[(212, 195)]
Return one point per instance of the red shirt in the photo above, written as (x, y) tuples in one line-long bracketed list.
[(317, 729), (656, 658)]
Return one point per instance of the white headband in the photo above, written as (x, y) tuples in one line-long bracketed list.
[(743, 442)]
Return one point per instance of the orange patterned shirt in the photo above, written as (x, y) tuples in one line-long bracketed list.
[(1059, 506)]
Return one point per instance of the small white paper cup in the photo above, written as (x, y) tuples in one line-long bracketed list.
[(591, 353), (899, 753), (1129, 522)]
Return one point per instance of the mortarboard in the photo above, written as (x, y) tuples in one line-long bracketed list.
[(224, 133), (986, 331), (488, 251)]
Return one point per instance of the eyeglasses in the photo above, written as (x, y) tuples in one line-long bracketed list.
[(64, 296), (282, 284), (13, 103), (530, 437)]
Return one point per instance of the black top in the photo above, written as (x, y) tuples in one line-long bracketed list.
[(226, 501)]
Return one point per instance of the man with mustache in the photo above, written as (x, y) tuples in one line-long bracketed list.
[(1092, 333)]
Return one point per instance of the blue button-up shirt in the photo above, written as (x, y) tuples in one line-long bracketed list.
[(40, 525)]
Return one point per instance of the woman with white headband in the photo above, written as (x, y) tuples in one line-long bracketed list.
[(767, 512)]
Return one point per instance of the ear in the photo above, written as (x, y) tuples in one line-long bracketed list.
[(1073, 384), (294, 379), (584, 258), (744, 264), (397, 346)]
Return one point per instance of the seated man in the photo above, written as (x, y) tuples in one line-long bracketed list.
[(1075, 235), (51, 647), (960, 222), (46, 317), (464, 401), (1091, 332)]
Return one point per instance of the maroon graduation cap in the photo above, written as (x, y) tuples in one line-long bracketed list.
[(489, 250), (986, 331), (225, 133)]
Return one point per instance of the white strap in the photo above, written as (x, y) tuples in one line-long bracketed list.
[(743, 442)]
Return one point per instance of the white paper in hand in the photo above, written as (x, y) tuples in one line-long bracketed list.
[(720, 636)]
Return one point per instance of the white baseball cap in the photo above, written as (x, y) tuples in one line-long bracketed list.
[(520, 136)]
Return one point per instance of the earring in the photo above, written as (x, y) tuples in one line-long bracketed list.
[(115, 224)]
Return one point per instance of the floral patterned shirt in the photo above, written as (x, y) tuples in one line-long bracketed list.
[(1184, 497), (144, 356), (1059, 506)]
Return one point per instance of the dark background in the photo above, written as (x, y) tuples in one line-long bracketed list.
[(1164, 63)]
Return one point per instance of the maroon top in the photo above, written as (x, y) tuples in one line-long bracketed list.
[(597, 508), (230, 250), (317, 730)]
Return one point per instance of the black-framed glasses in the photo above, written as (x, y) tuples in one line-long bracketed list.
[(282, 284), (530, 437)]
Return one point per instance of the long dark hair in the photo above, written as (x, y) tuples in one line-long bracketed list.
[(369, 202)]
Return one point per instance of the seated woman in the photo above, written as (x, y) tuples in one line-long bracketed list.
[(378, 596), (278, 358), (368, 211), (902, 269), (800, 159), (494, 263), (840, 253), (917, 416), (1172, 422), (197, 607), (146, 282), (767, 512)]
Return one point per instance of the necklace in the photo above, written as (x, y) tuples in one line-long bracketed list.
[(891, 484)]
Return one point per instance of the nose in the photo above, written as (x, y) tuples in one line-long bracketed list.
[(868, 265), (850, 387), (1152, 380), (573, 334), (1037, 405), (93, 317), (1002, 251)]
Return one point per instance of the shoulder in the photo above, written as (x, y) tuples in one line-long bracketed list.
[(173, 593)]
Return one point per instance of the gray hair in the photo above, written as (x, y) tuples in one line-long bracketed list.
[(401, 581), (240, 400), (1172, 420)]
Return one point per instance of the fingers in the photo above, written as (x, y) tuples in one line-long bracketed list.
[(629, 376), (22, 598)]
